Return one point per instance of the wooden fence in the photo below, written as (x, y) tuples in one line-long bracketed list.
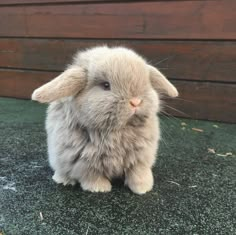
[(195, 40)]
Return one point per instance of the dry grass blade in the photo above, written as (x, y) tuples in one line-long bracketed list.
[(87, 231), (210, 150), (41, 215), (197, 129), (173, 182), (193, 186), (224, 155)]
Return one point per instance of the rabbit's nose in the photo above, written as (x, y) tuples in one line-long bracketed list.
[(135, 102)]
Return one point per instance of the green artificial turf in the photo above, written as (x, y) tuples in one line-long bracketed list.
[(194, 192)]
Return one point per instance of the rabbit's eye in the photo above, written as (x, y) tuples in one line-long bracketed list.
[(106, 86)]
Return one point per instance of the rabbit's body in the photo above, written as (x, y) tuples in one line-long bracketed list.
[(102, 121), (76, 152)]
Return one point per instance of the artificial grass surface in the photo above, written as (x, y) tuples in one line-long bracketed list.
[(194, 190)]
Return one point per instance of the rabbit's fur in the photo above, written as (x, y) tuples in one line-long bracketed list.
[(94, 132)]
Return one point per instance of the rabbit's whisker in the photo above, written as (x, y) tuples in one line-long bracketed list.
[(178, 98), (161, 61), (181, 112)]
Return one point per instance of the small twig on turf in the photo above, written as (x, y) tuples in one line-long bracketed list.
[(173, 182)]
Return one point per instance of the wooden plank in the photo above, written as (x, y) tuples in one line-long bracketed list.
[(23, 2), (20, 84), (201, 100), (190, 60), (140, 20), (204, 100)]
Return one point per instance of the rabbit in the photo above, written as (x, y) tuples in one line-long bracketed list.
[(102, 119)]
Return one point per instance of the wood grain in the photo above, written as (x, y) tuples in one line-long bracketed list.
[(20, 84), (138, 20), (200, 100), (194, 39), (23, 2), (190, 60), (204, 100)]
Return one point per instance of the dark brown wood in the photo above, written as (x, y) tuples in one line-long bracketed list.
[(203, 100), (203, 70), (20, 84), (190, 60), (140, 20), (23, 2)]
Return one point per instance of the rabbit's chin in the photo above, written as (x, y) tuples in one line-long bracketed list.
[(137, 119), (134, 117)]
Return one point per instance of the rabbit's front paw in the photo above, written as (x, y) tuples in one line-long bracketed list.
[(100, 184), (140, 182), (63, 180)]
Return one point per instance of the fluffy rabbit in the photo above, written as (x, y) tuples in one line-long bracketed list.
[(101, 122)]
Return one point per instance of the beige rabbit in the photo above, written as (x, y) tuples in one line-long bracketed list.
[(101, 121)]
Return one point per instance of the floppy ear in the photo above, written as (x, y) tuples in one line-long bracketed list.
[(68, 83), (160, 83)]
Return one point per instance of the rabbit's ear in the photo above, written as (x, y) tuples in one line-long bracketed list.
[(68, 83), (160, 83)]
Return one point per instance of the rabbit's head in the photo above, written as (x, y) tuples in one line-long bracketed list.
[(109, 88)]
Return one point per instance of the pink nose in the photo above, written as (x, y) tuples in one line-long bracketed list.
[(135, 102)]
